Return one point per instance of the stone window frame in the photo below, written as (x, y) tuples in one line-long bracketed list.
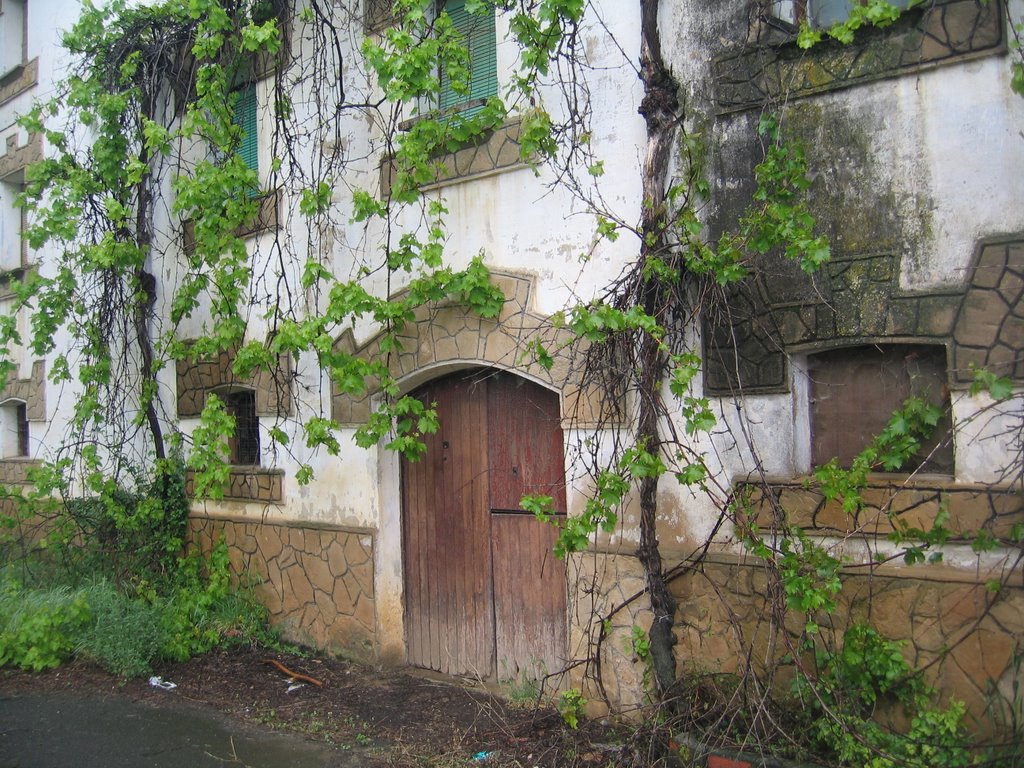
[(769, 65), (253, 72), (18, 446), (495, 152), (197, 379), (24, 74), (378, 15), (30, 392)]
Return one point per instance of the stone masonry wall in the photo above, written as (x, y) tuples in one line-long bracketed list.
[(859, 300), (971, 638), (317, 582), (968, 639)]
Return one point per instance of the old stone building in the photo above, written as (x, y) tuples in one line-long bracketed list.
[(913, 143)]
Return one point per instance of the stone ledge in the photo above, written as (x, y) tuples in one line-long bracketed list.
[(947, 31), (897, 571), (248, 484), (15, 469), (266, 219), (281, 522), (917, 502), (497, 152), (18, 80)]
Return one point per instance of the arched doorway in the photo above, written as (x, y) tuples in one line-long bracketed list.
[(484, 593)]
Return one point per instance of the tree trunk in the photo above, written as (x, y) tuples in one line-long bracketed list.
[(659, 110)]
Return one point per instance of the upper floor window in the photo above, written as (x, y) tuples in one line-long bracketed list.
[(13, 253), (856, 390), (245, 118), (477, 30), (13, 35), (820, 13), (15, 430)]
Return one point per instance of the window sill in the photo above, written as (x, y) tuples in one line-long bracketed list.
[(14, 469), (18, 80), (917, 500), (495, 153), (261, 484), (266, 219)]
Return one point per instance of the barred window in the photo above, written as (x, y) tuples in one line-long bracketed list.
[(245, 444)]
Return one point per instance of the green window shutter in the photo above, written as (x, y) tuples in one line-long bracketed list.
[(478, 32), (245, 118)]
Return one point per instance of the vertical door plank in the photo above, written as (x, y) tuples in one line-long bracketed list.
[(525, 447), (525, 458), (529, 598), (449, 612)]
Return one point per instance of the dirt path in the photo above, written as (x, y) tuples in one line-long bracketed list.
[(389, 717)]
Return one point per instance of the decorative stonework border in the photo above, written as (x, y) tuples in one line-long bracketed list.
[(197, 379), (16, 158), (451, 334), (917, 503), (495, 153), (315, 580), (31, 391), (248, 484), (19, 80), (859, 300), (944, 32)]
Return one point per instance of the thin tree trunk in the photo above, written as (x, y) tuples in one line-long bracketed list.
[(659, 108), (144, 309)]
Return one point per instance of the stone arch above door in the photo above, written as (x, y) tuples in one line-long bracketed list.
[(447, 335)]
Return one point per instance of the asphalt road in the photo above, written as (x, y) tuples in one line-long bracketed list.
[(65, 731)]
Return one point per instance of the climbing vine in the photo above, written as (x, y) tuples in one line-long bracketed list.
[(151, 149)]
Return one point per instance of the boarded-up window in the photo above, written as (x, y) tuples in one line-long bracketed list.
[(854, 392)]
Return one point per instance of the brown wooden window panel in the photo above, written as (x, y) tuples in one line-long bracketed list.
[(855, 390)]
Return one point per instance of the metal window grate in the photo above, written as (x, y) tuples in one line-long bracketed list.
[(245, 444)]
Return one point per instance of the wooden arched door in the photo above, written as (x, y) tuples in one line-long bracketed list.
[(484, 593)]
